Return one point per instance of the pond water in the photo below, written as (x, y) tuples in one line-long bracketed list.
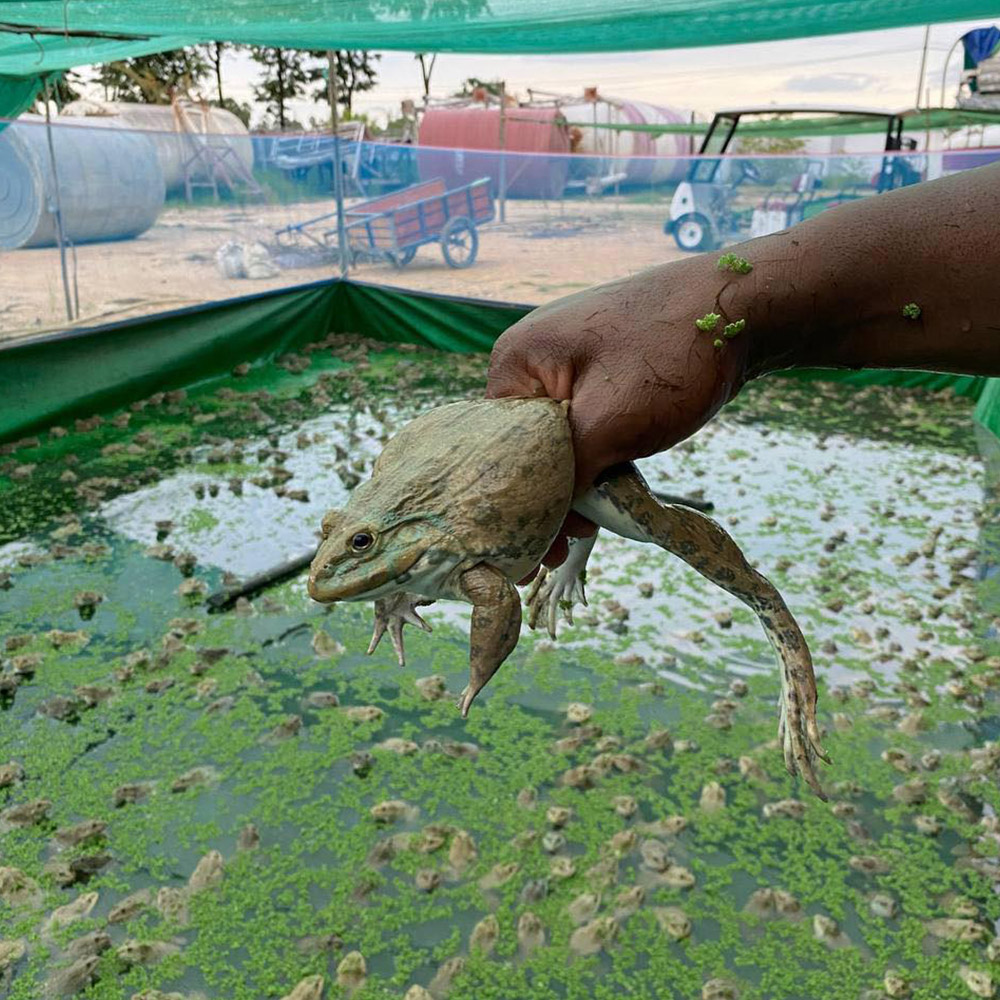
[(613, 819)]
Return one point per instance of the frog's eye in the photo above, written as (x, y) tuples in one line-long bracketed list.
[(361, 541)]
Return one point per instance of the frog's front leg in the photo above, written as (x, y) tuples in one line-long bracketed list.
[(496, 623), (391, 614), (624, 504), (562, 586)]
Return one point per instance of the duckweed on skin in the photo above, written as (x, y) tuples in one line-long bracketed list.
[(708, 322), (911, 310), (733, 262), (236, 802)]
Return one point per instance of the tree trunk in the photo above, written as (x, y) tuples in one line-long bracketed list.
[(425, 72), (281, 90), (217, 59)]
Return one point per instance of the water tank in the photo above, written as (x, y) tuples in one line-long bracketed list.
[(642, 157), (461, 144), (229, 138), (110, 184)]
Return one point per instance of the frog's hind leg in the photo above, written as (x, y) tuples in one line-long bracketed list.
[(561, 587), (496, 624), (623, 503)]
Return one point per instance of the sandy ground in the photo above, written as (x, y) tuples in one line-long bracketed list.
[(542, 251)]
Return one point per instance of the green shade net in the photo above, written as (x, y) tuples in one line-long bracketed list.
[(840, 124), (18, 93), (485, 26)]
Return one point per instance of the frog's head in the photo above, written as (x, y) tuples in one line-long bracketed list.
[(362, 557)]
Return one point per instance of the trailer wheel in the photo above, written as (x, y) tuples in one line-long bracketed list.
[(459, 242), (403, 257), (693, 233)]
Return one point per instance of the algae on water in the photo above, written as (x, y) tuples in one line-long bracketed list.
[(227, 766)]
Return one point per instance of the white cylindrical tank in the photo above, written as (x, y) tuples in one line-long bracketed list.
[(230, 137), (643, 158), (110, 184)]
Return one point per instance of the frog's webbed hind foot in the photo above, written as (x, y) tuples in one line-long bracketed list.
[(496, 624), (560, 588), (391, 614), (623, 503)]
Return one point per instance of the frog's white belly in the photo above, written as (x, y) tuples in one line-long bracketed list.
[(436, 575)]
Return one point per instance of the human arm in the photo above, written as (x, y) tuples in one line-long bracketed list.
[(830, 292)]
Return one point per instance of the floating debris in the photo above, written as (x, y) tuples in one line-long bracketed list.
[(484, 935), (979, 983), (78, 909), (594, 936), (393, 810), (76, 977), (134, 952), (352, 971), (25, 814), (713, 797), (311, 988)]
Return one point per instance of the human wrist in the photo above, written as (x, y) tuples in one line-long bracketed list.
[(799, 302)]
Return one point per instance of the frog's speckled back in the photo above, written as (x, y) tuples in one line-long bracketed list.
[(497, 473)]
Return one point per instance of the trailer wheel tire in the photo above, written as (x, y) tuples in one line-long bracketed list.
[(459, 242), (692, 232), (403, 257)]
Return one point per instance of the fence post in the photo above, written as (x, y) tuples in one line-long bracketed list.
[(503, 153), (338, 186)]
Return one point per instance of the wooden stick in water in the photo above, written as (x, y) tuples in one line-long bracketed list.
[(223, 600)]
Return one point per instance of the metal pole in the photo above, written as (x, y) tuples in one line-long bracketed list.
[(503, 154), (60, 239), (944, 72), (923, 64), (338, 186)]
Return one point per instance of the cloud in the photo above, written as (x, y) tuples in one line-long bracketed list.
[(831, 81)]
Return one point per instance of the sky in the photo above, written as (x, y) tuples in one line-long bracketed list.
[(876, 69), (871, 69)]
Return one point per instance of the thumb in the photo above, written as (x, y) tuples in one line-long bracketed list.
[(514, 373)]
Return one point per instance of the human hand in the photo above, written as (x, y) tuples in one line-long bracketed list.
[(639, 374)]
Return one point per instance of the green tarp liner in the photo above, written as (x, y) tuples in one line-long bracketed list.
[(484, 26), (841, 124), (51, 379), (48, 379)]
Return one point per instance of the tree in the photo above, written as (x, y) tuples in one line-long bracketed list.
[(286, 76), (214, 53), (473, 83), (356, 73), (426, 68), (152, 79)]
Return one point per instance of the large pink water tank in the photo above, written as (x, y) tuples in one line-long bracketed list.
[(644, 157), (461, 144)]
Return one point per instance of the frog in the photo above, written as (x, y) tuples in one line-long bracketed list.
[(465, 500)]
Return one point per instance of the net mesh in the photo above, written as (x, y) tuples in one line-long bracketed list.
[(159, 220), (497, 26)]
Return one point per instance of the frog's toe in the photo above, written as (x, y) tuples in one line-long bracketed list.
[(552, 592), (466, 698), (391, 614), (534, 598), (798, 748)]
